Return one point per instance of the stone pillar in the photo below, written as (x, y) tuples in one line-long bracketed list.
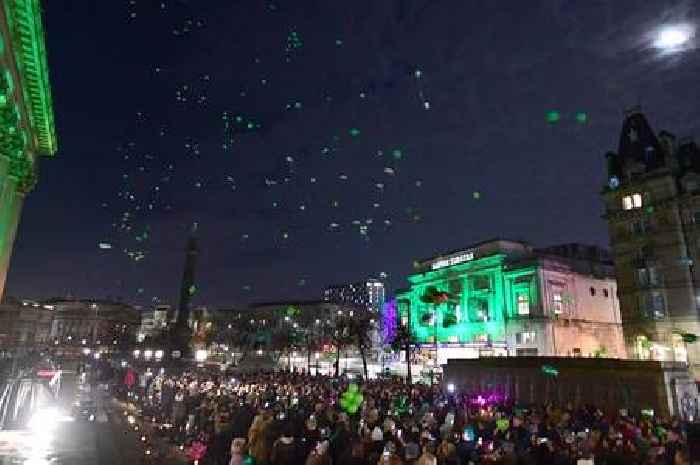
[(11, 201)]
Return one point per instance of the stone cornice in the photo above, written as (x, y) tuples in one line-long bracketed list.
[(24, 22)]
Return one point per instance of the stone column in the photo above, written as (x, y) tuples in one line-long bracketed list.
[(5, 189), (11, 201)]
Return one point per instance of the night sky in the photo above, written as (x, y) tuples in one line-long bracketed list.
[(319, 142)]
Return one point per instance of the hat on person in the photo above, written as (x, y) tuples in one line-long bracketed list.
[(377, 434)]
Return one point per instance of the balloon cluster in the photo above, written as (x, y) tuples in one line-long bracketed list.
[(351, 399)]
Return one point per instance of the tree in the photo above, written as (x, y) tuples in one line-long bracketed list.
[(402, 341), (436, 297), (360, 334), (340, 337)]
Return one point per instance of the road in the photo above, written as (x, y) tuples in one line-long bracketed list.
[(107, 441)]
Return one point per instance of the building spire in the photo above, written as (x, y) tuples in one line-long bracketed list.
[(638, 142)]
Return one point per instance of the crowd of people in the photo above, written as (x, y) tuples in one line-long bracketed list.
[(293, 418)]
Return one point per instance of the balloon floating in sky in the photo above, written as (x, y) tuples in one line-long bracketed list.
[(552, 116)]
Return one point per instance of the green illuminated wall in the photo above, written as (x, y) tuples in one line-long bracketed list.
[(26, 114), (484, 296)]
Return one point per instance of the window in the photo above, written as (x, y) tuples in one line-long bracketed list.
[(696, 217), (404, 320), (642, 276), (527, 337), (592, 291), (606, 293), (453, 339), (478, 309), (658, 305), (652, 305), (523, 303), (648, 276), (557, 303), (526, 352), (481, 338), (640, 226), (632, 201), (481, 283)]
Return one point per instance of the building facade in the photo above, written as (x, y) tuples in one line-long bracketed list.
[(504, 297), (24, 324), (92, 322), (26, 114), (652, 206), (367, 294), (155, 321)]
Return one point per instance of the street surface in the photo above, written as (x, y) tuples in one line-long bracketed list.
[(105, 441)]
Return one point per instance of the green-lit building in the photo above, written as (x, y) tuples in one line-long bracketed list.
[(26, 114), (504, 297)]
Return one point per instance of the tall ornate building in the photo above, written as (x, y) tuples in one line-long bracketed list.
[(652, 205), (26, 114)]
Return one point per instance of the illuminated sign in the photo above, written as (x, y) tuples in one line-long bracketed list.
[(454, 260)]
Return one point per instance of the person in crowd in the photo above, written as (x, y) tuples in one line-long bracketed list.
[(239, 452), (295, 418)]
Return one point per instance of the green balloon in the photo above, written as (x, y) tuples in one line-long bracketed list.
[(502, 424)]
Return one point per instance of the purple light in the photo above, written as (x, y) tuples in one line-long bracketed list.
[(389, 321), (487, 399)]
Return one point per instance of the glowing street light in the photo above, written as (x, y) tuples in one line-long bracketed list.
[(200, 355)]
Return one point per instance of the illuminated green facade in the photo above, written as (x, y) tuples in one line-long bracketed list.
[(27, 128), (487, 286)]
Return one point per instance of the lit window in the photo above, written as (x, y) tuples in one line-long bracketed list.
[(481, 338), (557, 303), (658, 305), (453, 339), (527, 337), (632, 201), (404, 320), (523, 304)]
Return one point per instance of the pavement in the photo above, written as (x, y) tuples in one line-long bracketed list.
[(109, 440)]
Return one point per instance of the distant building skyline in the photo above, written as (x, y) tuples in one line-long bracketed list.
[(369, 294)]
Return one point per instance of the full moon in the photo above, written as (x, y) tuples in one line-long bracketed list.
[(672, 38)]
